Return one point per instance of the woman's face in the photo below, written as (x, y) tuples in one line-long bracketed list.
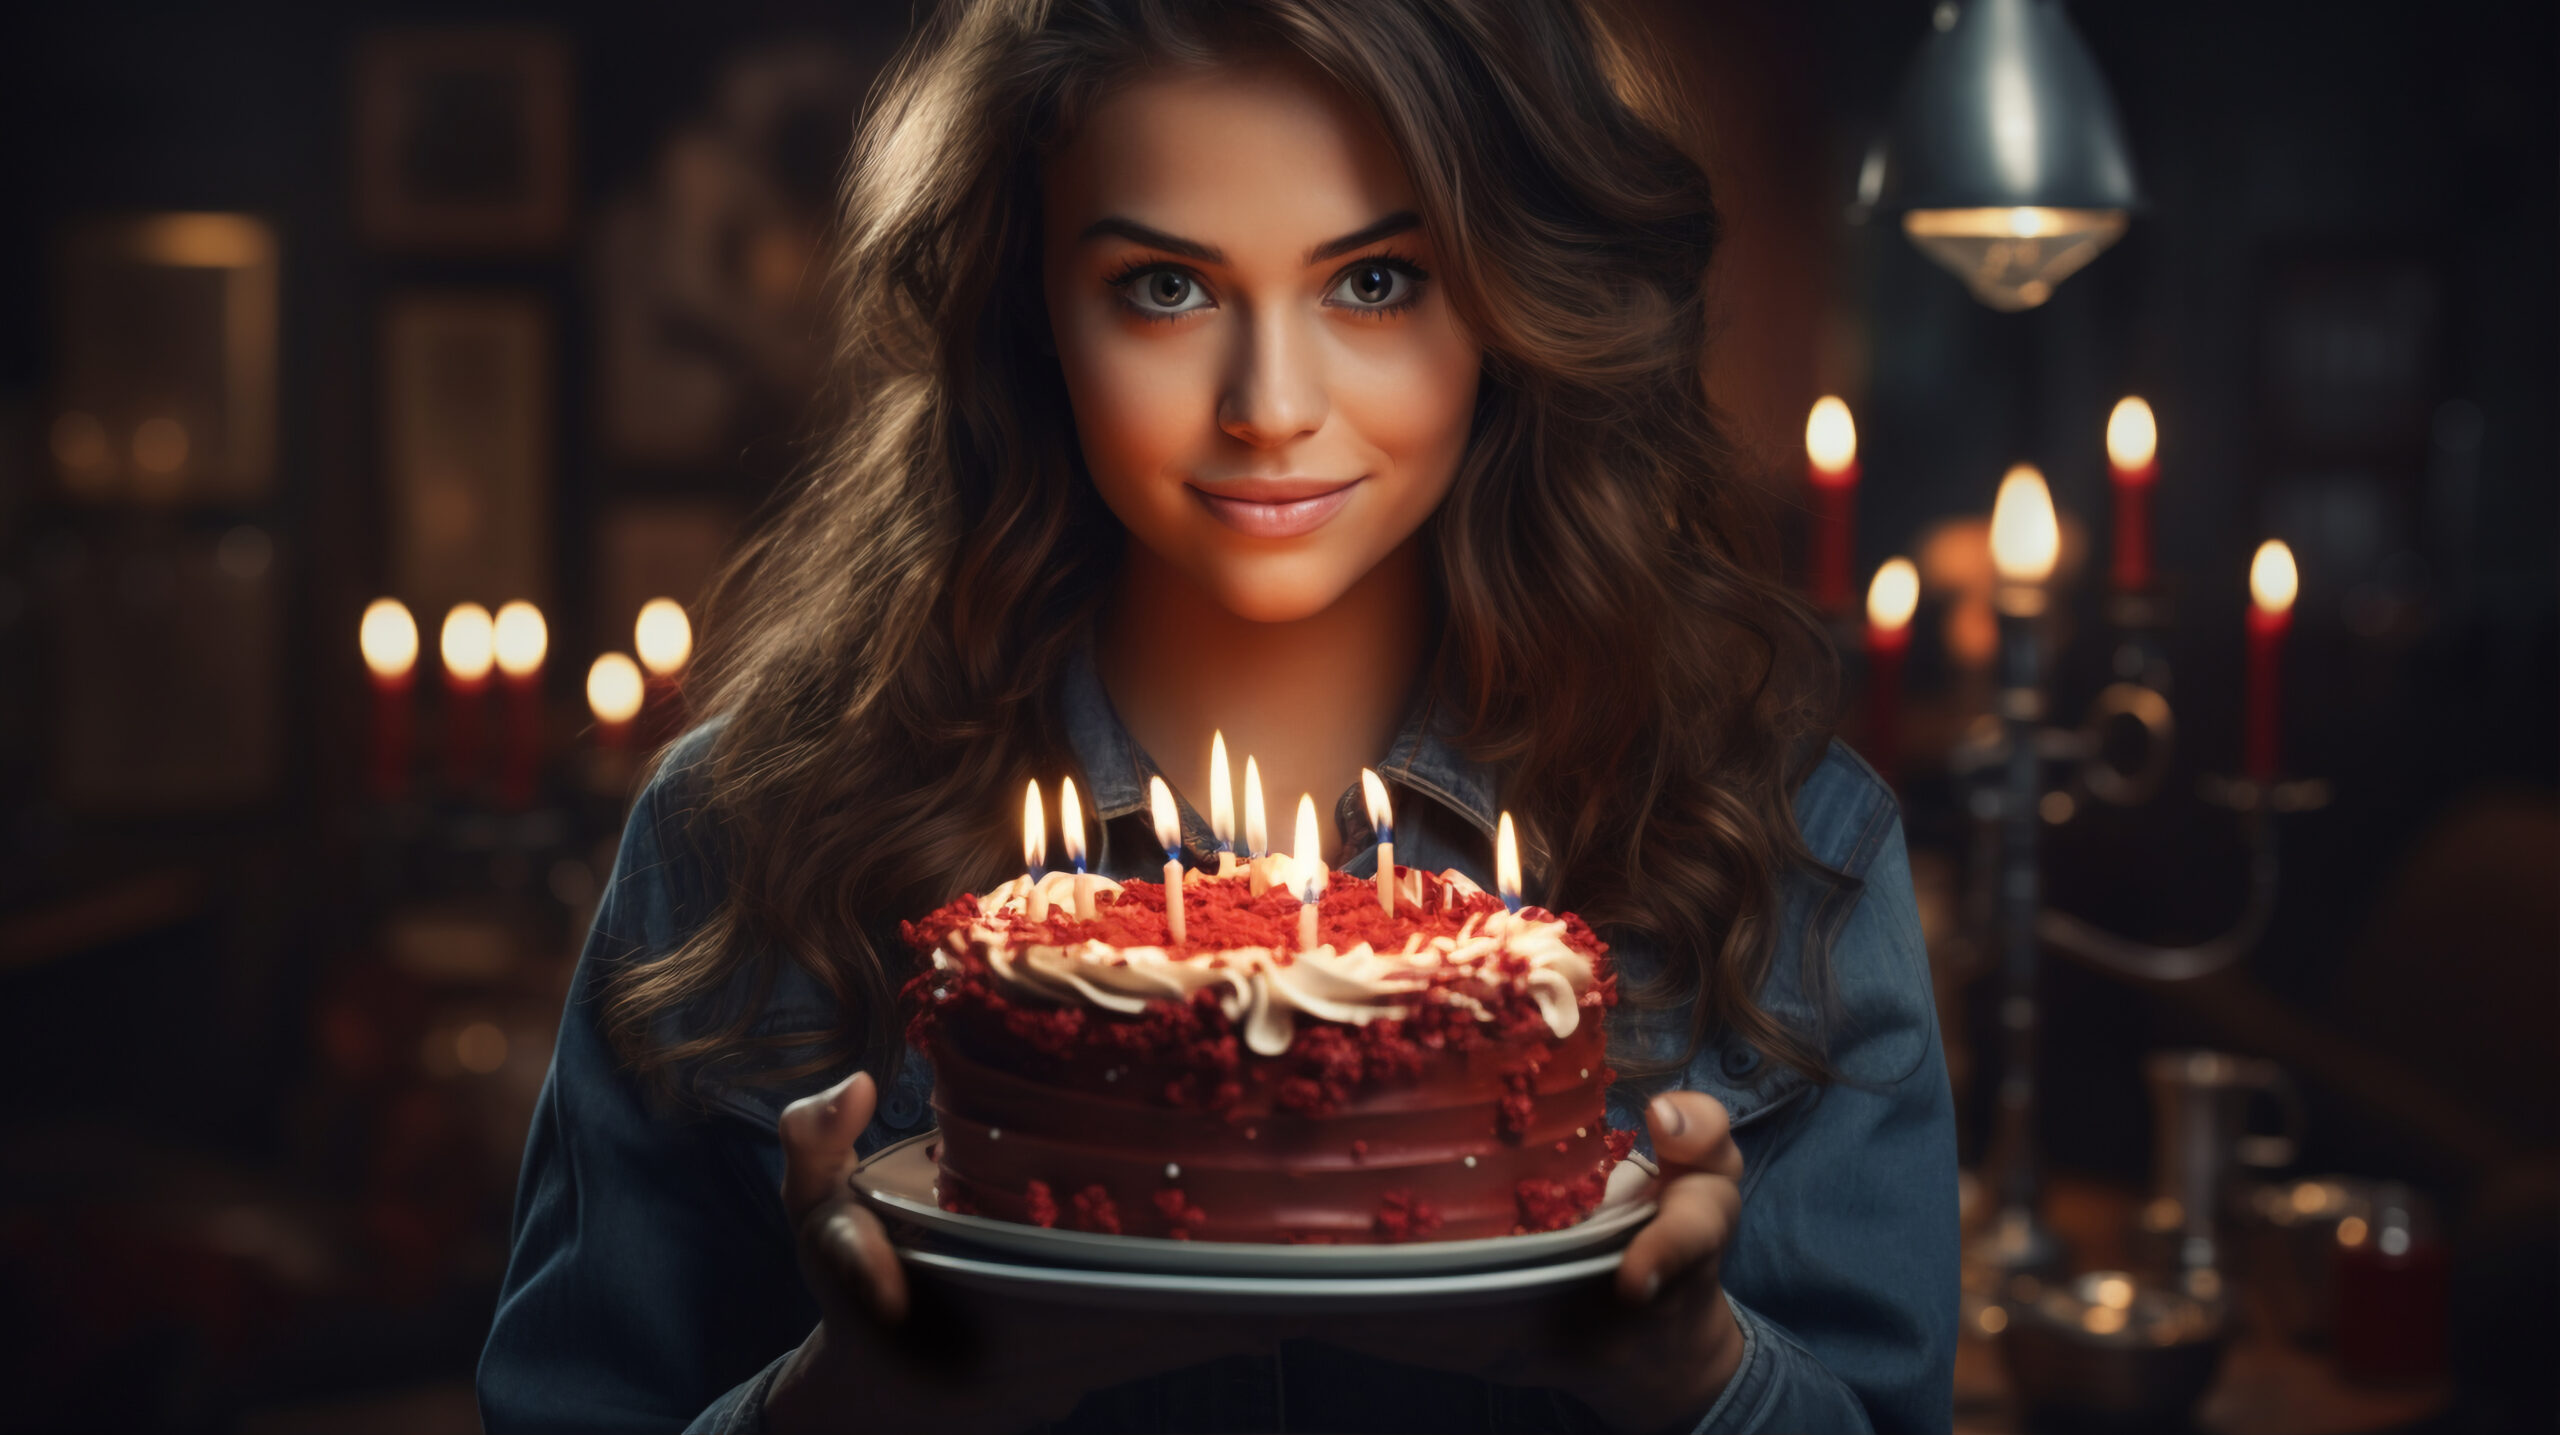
[(1270, 389)]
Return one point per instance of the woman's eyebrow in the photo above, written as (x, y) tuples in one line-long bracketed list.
[(1136, 233), (1396, 223)]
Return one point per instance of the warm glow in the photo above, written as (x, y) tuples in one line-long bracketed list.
[(1894, 595), (1830, 435), (469, 642), (663, 637), (2025, 538), (388, 637), (2133, 436), (1071, 823), (1222, 797), (614, 688), (522, 639), (2273, 580), (1381, 815), (1307, 861), (2011, 258), (1506, 862), (1257, 828), (1035, 828), (1168, 818)]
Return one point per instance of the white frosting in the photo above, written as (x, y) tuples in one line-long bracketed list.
[(1265, 991)]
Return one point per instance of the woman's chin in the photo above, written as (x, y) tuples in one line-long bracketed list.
[(1265, 589)]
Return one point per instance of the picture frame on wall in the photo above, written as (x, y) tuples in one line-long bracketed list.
[(658, 548), (164, 391), (463, 139), (468, 434)]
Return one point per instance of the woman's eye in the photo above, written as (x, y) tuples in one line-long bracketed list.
[(1163, 293), (1375, 284)]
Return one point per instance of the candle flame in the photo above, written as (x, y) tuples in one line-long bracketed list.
[(663, 637), (2133, 435), (1381, 815), (1071, 822), (521, 639), (388, 638), (1222, 796), (1506, 862), (614, 689), (2025, 536), (1894, 595), (1307, 863), (1168, 818), (1257, 828), (1831, 436), (2274, 581), (468, 642), (1035, 829)]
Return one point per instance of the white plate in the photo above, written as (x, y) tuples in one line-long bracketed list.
[(899, 1180), (1257, 1295)]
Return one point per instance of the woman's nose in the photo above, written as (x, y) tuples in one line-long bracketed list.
[(1277, 391)]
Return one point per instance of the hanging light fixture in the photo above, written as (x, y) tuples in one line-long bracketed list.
[(2006, 161)]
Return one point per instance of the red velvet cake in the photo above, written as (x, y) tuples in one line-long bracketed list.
[(1432, 1075)]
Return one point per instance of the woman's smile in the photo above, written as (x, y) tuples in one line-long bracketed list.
[(1274, 507)]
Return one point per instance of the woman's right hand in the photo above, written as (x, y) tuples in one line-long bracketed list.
[(887, 1355)]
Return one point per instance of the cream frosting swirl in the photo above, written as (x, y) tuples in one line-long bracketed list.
[(1265, 991)]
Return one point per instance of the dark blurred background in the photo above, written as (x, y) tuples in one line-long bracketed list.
[(471, 304)]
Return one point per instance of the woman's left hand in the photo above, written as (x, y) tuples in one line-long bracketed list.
[(1661, 1346)]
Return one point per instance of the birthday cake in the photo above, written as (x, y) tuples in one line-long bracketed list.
[(1431, 1074)]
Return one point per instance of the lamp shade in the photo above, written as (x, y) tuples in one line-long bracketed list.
[(2006, 160)]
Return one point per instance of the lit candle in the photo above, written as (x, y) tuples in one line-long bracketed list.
[(1168, 820), (614, 696), (1831, 453), (1506, 863), (1071, 829), (521, 640), (388, 638), (1891, 600), (663, 637), (2274, 582), (2133, 445), (2026, 538), (468, 645), (1222, 805), (1306, 872), (1035, 852), (1257, 830), (1383, 818)]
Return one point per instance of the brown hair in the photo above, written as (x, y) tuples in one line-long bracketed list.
[(887, 647)]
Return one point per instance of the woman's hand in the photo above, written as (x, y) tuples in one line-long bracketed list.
[(892, 1355), (1656, 1348)]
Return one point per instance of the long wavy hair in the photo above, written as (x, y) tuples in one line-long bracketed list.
[(887, 647)]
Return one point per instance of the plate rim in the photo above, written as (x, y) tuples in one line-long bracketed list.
[(1448, 1259), (1478, 1282)]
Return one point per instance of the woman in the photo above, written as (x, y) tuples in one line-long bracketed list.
[(1324, 371)]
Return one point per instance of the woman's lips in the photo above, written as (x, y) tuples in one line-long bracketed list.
[(1276, 507)]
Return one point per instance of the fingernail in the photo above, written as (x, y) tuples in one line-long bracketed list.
[(1667, 1115)]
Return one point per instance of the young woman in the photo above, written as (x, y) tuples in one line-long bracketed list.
[(1324, 371)]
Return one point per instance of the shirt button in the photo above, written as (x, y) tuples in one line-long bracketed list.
[(904, 1106), (1740, 1062)]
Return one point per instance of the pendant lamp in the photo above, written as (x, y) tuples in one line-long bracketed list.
[(2006, 162)]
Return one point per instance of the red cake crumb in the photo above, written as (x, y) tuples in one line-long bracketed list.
[(1044, 1210), (1553, 1205), (1359, 1150), (1096, 1211), (1404, 1217), (1184, 1216)]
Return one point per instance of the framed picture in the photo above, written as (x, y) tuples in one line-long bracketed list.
[(463, 139), (663, 548), (166, 390), (467, 435)]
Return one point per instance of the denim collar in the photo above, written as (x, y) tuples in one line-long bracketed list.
[(1116, 768)]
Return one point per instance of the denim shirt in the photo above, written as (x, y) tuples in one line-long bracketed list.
[(653, 1284)]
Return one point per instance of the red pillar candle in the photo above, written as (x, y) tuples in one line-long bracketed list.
[(522, 639), (388, 638), (1831, 455), (2273, 583), (1891, 599), (2133, 448), (467, 645), (613, 695)]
